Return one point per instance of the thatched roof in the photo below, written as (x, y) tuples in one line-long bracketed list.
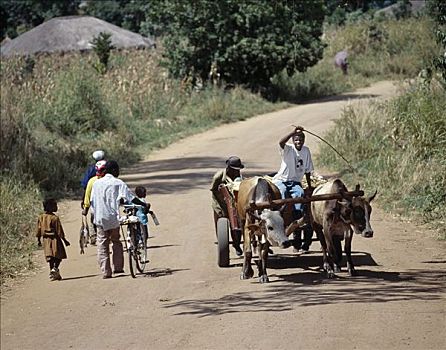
[(71, 33)]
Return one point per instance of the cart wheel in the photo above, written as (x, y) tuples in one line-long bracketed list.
[(223, 230)]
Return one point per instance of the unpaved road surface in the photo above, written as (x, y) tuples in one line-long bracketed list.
[(185, 301)]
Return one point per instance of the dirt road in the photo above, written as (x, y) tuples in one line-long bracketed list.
[(397, 301)]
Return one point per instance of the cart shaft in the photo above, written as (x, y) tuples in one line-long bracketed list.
[(317, 197)]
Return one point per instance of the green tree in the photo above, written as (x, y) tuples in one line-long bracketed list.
[(247, 42), (18, 16), (341, 11), (437, 10), (124, 13)]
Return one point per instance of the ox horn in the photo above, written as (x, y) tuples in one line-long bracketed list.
[(255, 215), (282, 208), (294, 226), (372, 196), (345, 195)]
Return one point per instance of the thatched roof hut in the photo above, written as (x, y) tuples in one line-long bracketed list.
[(71, 33)]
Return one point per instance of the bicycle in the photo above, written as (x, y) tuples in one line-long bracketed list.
[(135, 239)]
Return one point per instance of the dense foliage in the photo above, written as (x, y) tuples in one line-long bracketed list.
[(437, 10), (397, 147), (18, 17), (128, 14), (244, 42), (341, 12)]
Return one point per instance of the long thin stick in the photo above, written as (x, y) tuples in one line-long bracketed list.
[(334, 149)]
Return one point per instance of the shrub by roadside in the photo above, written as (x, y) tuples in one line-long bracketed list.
[(397, 147)]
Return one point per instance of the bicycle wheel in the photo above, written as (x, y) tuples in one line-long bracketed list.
[(141, 250), (133, 264)]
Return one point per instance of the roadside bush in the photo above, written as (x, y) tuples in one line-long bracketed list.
[(322, 81), (21, 203), (76, 105), (397, 147)]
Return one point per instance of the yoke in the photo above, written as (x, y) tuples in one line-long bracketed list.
[(276, 203)]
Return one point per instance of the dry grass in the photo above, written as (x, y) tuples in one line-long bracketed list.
[(398, 147)]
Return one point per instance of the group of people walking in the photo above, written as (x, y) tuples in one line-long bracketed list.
[(104, 192)]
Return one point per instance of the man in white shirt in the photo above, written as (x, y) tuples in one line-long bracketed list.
[(296, 162), (107, 194)]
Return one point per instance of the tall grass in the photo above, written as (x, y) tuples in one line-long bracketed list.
[(399, 148), (20, 204)]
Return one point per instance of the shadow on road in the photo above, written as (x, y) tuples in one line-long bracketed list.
[(334, 98), (178, 175), (162, 246), (310, 288), (285, 261), (159, 272), (80, 277)]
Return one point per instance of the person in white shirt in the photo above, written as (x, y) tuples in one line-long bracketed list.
[(296, 162), (107, 194)]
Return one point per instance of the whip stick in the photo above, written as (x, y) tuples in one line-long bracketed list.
[(334, 149)]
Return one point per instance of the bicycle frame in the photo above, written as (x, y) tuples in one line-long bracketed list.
[(136, 250)]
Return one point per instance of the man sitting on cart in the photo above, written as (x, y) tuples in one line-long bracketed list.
[(296, 162), (230, 177)]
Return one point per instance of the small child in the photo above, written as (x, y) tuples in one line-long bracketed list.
[(50, 229), (141, 193)]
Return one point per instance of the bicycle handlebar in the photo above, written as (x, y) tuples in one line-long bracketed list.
[(133, 206)]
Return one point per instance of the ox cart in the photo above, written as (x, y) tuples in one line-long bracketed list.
[(231, 227)]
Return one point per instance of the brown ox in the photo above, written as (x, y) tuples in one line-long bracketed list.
[(334, 220), (264, 225)]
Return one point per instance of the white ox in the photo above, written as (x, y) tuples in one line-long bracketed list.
[(264, 225)]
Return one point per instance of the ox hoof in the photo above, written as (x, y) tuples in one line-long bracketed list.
[(331, 274), (246, 275), (352, 272), (263, 279), (336, 268)]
